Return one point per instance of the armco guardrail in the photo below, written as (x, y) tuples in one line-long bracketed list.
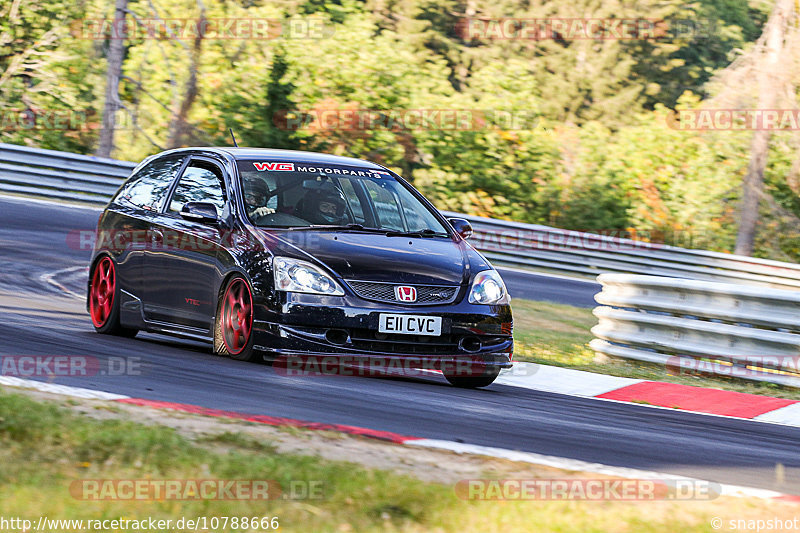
[(542, 247), (700, 328), (60, 175), (64, 175)]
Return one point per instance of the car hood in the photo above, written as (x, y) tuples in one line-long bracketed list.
[(377, 257)]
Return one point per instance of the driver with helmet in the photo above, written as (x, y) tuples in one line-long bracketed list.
[(325, 206), (256, 194)]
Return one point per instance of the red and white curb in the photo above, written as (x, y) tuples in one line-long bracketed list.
[(653, 393), (406, 440)]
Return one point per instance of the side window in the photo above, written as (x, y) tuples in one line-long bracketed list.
[(352, 199), (201, 182), (413, 219), (147, 188), (385, 205)]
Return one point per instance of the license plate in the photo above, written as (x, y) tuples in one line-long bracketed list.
[(410, 324)]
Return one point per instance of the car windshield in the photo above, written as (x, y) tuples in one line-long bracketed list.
[(300, 195)]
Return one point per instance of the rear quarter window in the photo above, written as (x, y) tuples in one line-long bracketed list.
[(148, 187)]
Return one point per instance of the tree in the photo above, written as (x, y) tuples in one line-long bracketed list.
[(116, 52), (179, 126), (771, 83), (278, 103)]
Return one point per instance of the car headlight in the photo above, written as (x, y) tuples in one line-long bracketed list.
[(294, 275), (487, 288)]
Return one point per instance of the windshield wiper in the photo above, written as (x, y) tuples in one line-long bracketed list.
[(340, 227), (427, 232)]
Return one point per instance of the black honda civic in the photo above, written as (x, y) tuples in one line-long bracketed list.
[(289, 255)]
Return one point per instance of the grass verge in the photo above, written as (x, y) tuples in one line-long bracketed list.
[(44, 448), (558, 335)]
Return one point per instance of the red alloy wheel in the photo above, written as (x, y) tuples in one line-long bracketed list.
[(101, 299), (237, 316)]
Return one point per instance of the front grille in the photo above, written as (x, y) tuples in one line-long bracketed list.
[(397, 344), (385, 343), (384, 292)]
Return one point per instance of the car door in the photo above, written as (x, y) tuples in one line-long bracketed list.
[(130, 213), (181, 269)]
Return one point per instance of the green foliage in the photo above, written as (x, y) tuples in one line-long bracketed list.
[(589, 146), (41, 76), (262, 128), (703, 38)]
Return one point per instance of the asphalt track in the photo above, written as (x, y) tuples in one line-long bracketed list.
[(41, 284)]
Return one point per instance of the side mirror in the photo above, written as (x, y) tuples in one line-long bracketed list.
[(461, 226), (204, 212)]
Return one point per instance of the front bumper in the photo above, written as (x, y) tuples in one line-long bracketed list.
[(347, 327)]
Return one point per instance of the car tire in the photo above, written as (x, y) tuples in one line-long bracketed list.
[(474, 382), (104, 299), (233, 327)]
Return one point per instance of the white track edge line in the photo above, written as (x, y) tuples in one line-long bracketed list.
[(457, 447), (543, 274), (67, 205), (583, 466), (64, 390), (48, 278)]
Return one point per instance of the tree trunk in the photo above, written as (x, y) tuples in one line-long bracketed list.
[(769, 86), (178, 128), (116, 51)]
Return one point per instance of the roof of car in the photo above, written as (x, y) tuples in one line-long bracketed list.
[(296, 156)]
